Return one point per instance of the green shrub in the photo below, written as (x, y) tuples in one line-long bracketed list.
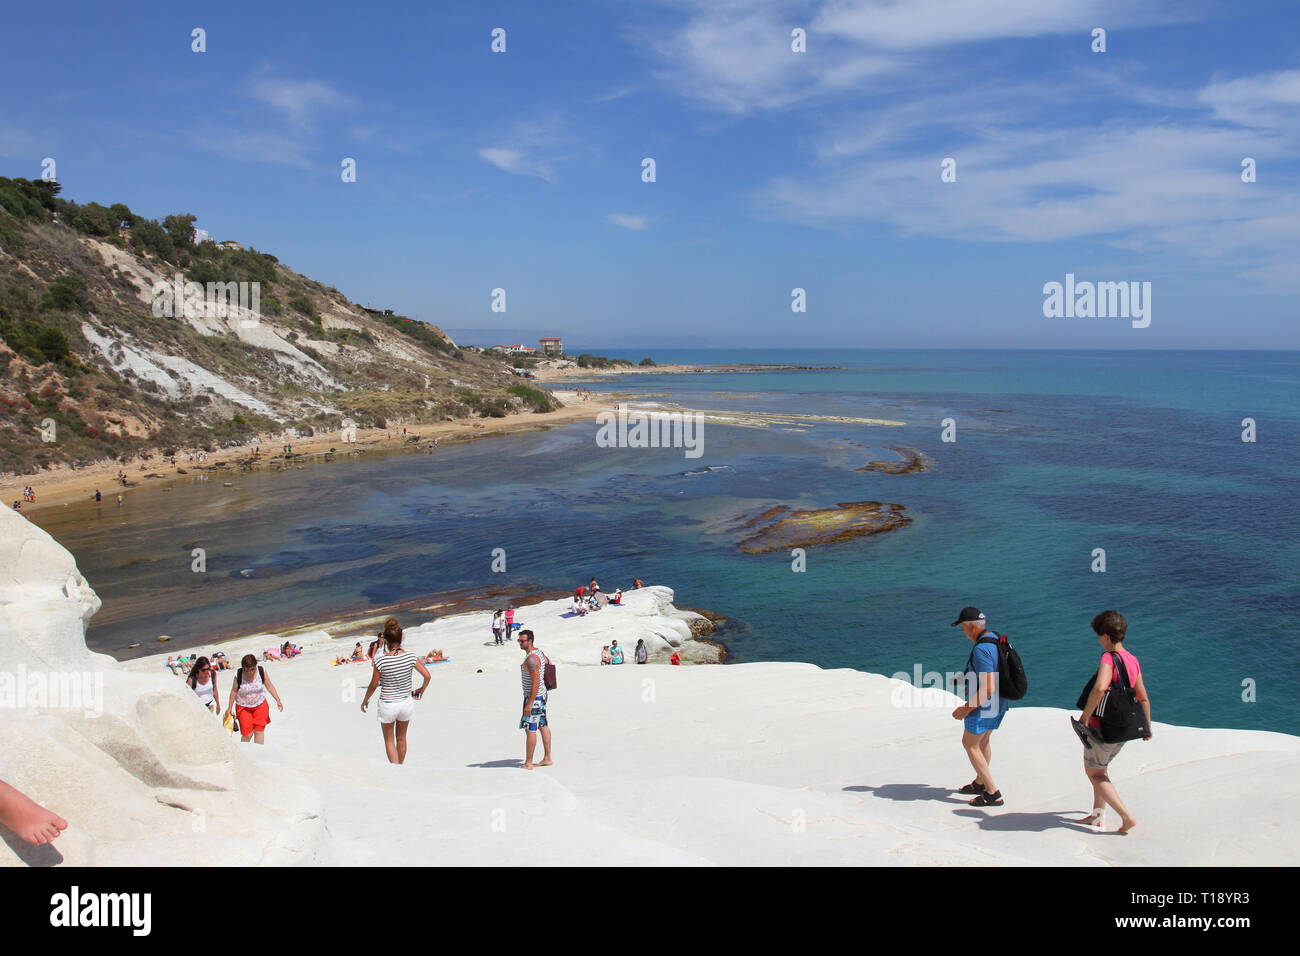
[(300, 303), (35, 341), (148, 236), (535, 398), (65, 294), (91, 219)]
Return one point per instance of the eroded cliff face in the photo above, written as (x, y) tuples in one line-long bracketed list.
[(140, 770)]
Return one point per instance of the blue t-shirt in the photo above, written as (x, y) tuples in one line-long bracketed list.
[(616, 654), (984, 660)]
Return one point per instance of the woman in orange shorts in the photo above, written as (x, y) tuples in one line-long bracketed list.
[(248, 700)]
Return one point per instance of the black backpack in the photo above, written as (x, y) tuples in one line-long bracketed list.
[(1012, 682), (1121, 716), (239, 676)]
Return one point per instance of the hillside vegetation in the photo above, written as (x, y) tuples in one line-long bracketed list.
[(92, 368)]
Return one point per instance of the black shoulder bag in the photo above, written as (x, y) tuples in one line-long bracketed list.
[(1121, 715)]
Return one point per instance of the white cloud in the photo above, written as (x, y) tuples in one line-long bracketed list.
[(1269, 100), (616, 94), (736, 56), (299, 100), (626, 222), (1162, 192), (1093, 152), (516, 161), (534, 147), (921, 24)]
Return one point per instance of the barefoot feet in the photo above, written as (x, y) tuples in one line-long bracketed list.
[(27, 818)]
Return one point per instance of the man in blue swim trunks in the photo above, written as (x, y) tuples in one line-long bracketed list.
[(984, 708)]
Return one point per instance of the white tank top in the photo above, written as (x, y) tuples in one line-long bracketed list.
[(205, 691)]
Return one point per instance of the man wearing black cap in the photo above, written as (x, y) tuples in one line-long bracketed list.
[(982, 713)]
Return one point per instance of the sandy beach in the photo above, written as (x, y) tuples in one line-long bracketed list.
[(61, 485)]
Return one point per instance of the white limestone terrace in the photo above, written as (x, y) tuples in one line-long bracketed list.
[(768, 763)]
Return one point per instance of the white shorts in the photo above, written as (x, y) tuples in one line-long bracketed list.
[(394, 710)]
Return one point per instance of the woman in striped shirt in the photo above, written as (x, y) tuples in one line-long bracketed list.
[(392, 676)]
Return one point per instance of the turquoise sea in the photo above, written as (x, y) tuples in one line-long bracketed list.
[(1057, 454)]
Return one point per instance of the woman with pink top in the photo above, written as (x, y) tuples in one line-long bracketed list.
[(1110, 628)]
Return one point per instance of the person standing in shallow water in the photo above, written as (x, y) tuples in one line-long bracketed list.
[(392, 672), (534, 720), (1110, 628)]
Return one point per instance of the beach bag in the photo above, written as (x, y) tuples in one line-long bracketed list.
[(230, 723), (548, 673), (1012, 682), (1121, 715)]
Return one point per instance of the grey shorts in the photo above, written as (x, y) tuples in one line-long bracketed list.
[(1098, 755)]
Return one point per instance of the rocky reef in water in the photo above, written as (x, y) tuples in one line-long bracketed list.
[(780, 529), (910, 460)]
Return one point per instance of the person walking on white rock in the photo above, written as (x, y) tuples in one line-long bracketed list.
[(249, 689), (392, 673), (203, 681), (534, 719), (984, 708), (1110, 628)]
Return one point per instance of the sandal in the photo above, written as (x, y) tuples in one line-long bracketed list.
[(973, 787), (987, 799)]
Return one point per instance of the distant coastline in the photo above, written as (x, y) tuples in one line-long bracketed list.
[(557, 374)]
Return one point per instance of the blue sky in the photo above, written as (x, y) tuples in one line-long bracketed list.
[(775, 169)]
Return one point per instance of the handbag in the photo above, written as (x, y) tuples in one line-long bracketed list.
[(1122, 717)]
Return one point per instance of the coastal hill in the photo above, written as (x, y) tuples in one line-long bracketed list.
[(766, 763), (90, 371)]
